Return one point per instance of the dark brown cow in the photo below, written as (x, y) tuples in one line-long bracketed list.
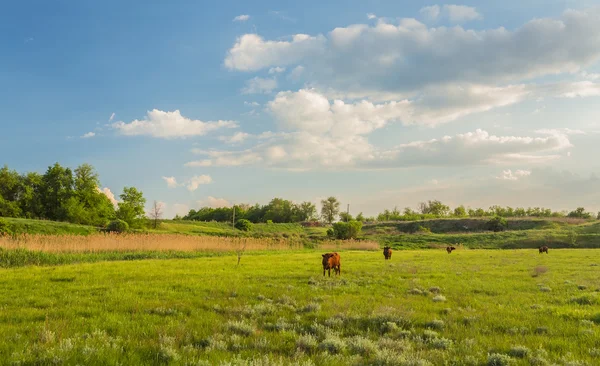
[(387, 253), (331, 260), (544, 249), (450, 249)]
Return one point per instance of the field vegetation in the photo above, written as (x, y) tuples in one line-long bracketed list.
[(472, 307)]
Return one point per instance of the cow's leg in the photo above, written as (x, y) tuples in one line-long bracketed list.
[(324, 272), (329, 271)]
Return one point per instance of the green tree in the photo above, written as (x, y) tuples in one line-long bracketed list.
[(360, 217), (460, 211), (344, 216), (330, 208), (56, 189), (579, 213), (306, 211), (131, 207), (496, 224), (243, 224), (279, 210), (10, 185), (30, 199), (91, 206)]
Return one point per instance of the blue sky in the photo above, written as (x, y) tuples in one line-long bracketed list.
[(380, 103)]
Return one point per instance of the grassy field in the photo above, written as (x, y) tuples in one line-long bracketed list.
[(473, 307)]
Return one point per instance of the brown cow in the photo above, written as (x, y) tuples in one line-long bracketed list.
[(450, 249), (387, 253), (544, 249), (331, 260)]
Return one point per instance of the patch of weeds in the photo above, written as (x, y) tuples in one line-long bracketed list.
[(586, 323), (439, 298), (536, 306), (586, 332), (163, 311), (499, 359), (539, 270), (468, 320), (396, 345), (585, 300), (416, 291), (446, 311), (240, 327), (441, 343), (311, 308), (541, 330), (333, 344), (264, 308), (545, 289), (389, 327), (404, 333), (385, 357), (582, 287), (260, 297), (435, 290), (435, 324), (307, 343), (362, 346), (519, 351), (334, 322), (430, 334), (280, 326), (594, 352)]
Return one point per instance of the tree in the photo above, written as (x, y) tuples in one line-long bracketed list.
[(279, 210), (243, 225), (10, 184), (56, 189), (306, 211), (460, 211), (330, 208), (131, 207), (360, 217), (580, 213), (156, 213), (497, 224), (344, 216)]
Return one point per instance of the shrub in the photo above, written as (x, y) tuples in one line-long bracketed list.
[(269, 222), (5, 228), (498, 359), (497, 224), (346, 230), (117, 226), (243, 224), (519, 351)]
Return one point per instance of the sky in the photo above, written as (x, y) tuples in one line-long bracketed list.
[(382, 104)]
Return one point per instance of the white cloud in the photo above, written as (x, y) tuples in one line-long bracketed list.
[(297, 73), (430, 13), (259, 85), (276, 70), (509, 175), (234, 139), (241, 18), (214, 202), (582, 89), (88, 135), (195, 182), (560, 131), (106, 191), (461, 13), (171, 182), (590, 76), (251, 52), (251, 104), (169, 125), (382, 57), (306, 151), (112, 116), (371, 16)]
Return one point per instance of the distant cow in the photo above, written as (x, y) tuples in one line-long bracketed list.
[(450, 249), (387, 253), (544, 249), (331, 260)]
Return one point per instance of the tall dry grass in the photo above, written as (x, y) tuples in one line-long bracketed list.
[(163, 242)]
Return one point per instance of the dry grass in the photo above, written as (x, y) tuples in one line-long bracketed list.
[(164, 242)]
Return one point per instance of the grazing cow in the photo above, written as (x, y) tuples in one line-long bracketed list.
[(331, 260), (387, 253), (450, 249), (544, 249)]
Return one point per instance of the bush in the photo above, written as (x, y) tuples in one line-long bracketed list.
[(117, 226), (346, 230), (497, 224), (243, 224), (269, 222), (5, 228)]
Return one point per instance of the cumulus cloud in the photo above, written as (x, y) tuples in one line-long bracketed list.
[(234, 139), (509, 175), (430, 12), (241, 18), (276, 70), (106, 191), (305, 151), (382, 57), (560, 131), (461, 13), (259, 85), (196, 181), (88, 135), (214, 202), (169, 125), (171, 182), (371, 16)]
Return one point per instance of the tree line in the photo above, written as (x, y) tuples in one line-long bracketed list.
[(63, 194)]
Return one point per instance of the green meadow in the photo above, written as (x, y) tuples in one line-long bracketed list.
[(424, 307)]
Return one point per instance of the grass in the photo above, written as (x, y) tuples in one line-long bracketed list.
[(276, 308), (46, 227)]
